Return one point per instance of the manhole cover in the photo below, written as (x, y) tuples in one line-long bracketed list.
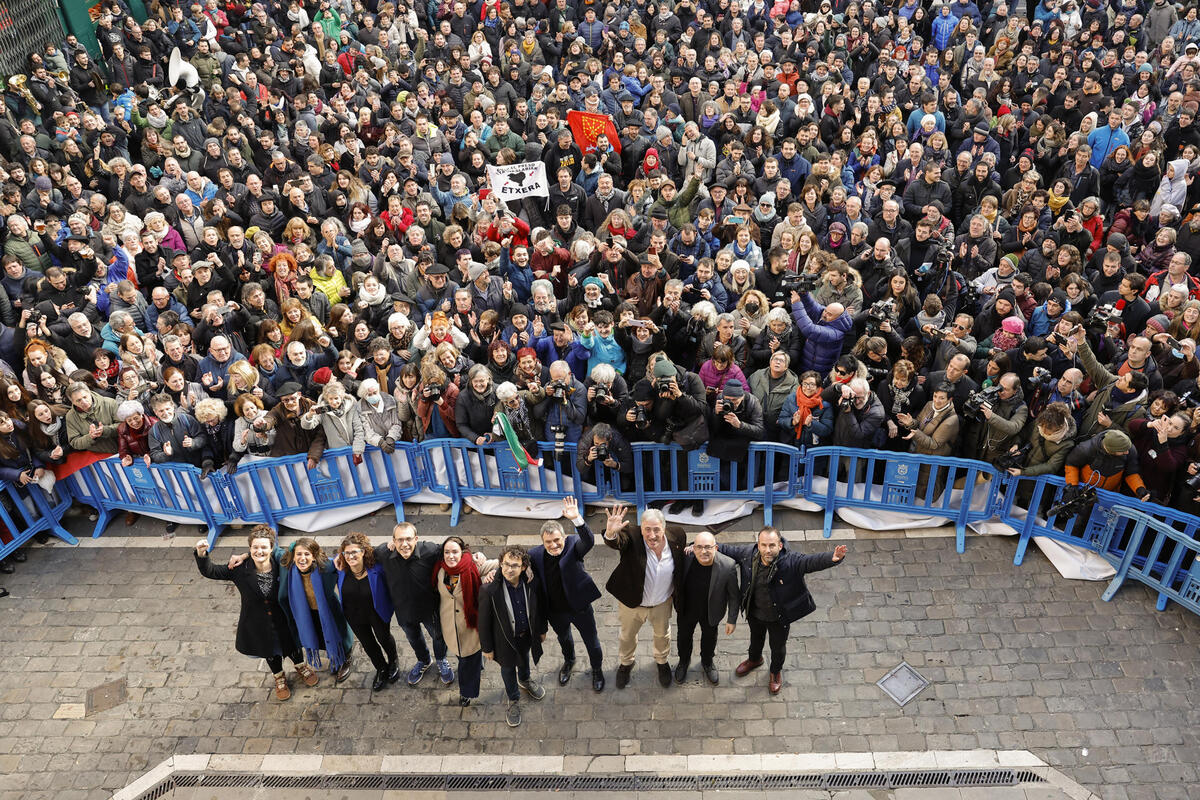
[(903, 683), (106, 696)]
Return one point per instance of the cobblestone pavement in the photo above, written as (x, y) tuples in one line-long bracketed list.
[(1019, 658)]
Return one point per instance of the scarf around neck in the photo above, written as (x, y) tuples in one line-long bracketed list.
[(806, 406), (468, 581), (298, 605)]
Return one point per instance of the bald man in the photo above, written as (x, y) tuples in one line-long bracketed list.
[(707, 592), (823, 327)]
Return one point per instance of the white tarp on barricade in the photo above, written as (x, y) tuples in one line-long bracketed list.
[(1072, 561)]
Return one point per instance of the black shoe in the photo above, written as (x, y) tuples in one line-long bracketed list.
[(19, 557), (697, 507), (41, 538), (380, 680), (4, 593), (681, 670), (623, 671), (710, 672), (7, 568), (598, 680), (564, 672), (171, 526), (464, 701), (664, 675), (393, 673)]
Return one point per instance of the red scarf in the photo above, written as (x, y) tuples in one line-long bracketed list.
[(806, 406), (468, 580)]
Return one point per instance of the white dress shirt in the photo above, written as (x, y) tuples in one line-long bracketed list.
[(660, 573)]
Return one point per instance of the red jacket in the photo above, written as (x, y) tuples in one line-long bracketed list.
[(133, 442), (1157, 278)]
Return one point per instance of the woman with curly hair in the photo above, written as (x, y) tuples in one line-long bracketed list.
[(283, 268)]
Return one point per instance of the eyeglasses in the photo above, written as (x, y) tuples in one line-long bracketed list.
[(352, 553), (840, 371), (704, 547)]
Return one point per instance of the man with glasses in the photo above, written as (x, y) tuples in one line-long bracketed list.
[(214, 368), (952, 341), (859, 416), (511, 629), (1003, 418), (774, 595), (708, 592), (408, 566)]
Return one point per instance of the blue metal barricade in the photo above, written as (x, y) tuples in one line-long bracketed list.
[(461, 469), (170, 491), (269, 490), (26, 511), (667, 473), (961, 491), (1158, 555)]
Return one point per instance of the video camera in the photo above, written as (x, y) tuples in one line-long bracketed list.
[(1015, 459), (976, 402), (801, 282), (1101, 316), (1074, 499), (881, 311)]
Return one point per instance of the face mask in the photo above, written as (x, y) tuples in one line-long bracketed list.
[(375, 400)]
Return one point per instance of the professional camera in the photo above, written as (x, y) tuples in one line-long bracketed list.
[(665, 387), (801, 282), (1102, 315), (1015, 459), (599, 392), (976, 402), (639, 415), (1074, 499), (1040, 376), (881, 311), (560, 438), (435, 393), (846, 404), (557, 390), (602, 451), (1189, 399)]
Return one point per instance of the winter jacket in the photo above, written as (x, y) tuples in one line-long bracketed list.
[(936, 432), (789, 592), (823, 340)]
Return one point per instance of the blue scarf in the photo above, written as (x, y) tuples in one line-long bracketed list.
[(298, 601)]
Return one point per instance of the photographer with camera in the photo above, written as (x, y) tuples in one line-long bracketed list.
[(1128, 303), (734, 421), (1051, 439), (607, 394), (1065, 390), (1001, 416), (955, 374), (1105, 461), (951, 341), (564, 409), (859, 418), (603, 445), (824, 329)]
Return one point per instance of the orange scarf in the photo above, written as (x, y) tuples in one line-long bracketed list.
[(806, 405)]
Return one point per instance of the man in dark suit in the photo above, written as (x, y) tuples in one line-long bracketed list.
[(643, 582), (566, 591), (511, 629), (408, 565), (708, 591), (774, 595)]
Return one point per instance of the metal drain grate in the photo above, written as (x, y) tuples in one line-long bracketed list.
[(948, 778), (903, 683)]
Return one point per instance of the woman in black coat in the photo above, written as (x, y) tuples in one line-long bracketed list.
[(263, 630), (475, 405)]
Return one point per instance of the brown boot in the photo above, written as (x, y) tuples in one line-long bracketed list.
[(306, 674), (282, 692), (130, 518)]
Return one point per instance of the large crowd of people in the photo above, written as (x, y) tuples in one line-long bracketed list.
[(952, 228)]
